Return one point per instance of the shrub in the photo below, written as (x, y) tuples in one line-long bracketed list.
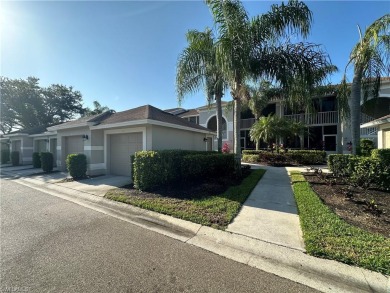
[(382, 154), (248, 158), (340, 165), (5, 154), (77, 165), (46, 161), (15, 158), (225, 148), (292, 157), (365, 172), (309, 157), (366, 146), (154, 168), (36, 160)]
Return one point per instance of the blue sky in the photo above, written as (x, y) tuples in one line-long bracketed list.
[(124, 54)]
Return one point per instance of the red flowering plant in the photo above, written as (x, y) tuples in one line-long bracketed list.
[(225, 148)]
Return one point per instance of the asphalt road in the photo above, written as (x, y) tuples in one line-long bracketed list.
[(52, 245)]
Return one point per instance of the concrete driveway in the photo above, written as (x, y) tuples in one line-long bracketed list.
[(96, 186)]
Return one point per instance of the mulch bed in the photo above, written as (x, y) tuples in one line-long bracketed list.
[(70, 179), (366, 209)]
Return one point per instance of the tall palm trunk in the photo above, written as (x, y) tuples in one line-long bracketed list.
[(257, 141), (237, 137), (355, 108), (218, 102)]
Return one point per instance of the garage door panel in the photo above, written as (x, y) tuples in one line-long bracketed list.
[(122, 146)]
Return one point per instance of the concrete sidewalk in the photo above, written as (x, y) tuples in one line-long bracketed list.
[(270, 213)]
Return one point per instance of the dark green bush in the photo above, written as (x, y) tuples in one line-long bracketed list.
[(253, 152), (46, 161), (292, 157), (200, 166), (154, 168), (365, 172), (366, 146), (308, 157), (36, 160), (382, 154), (77, 165), (341, 165), (15, 158), (5, 155)]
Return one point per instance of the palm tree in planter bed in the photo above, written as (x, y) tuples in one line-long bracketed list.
[(197, 67), (251, 48), (370, 58)]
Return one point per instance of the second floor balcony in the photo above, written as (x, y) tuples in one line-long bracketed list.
[(319, 118)]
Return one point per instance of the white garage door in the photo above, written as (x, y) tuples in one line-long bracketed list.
[(121, 147), (386, 139), (74, 145)]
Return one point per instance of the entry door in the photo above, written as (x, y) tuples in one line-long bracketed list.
[(330, 143), (53, 150), (122, 146), (209, 144), (17, 146)]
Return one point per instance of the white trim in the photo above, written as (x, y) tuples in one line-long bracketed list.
[(119, 124), (227, 124), (16, 134), (93, 148), (150, 122), (58, 148), (62, 126), (97, 166), (44, 134)]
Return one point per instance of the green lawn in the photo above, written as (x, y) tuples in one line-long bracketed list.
[(328, 236), (216, 211)]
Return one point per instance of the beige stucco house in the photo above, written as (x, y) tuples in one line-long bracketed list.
[(108, 139), (383, 126)]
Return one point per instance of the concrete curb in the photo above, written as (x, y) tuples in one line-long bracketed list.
[(320, 274)]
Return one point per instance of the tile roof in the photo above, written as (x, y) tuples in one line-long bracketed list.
[(150, 113)]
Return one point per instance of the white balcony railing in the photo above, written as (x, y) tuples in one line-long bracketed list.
[(319, 118), (369, 131)]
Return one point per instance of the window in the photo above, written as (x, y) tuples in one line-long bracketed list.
[(212, 124)]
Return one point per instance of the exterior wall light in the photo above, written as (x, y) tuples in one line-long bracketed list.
[(85, 136)]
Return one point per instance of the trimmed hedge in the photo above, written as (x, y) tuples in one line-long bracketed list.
[(382, 154), (15, 158), (36, 160), (77, 165), (5, 156), (366, 146), (365, 172), (46, 161), (154, 168), (292, 157)]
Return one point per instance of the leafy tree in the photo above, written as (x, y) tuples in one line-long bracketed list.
[(24, 104), (370, 58), (98, 109), (248, 48), (197, 67)]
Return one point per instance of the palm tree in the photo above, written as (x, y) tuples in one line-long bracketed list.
[(98, 109), (370, 58), (248, 48), (197, 67), (270, 128)]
